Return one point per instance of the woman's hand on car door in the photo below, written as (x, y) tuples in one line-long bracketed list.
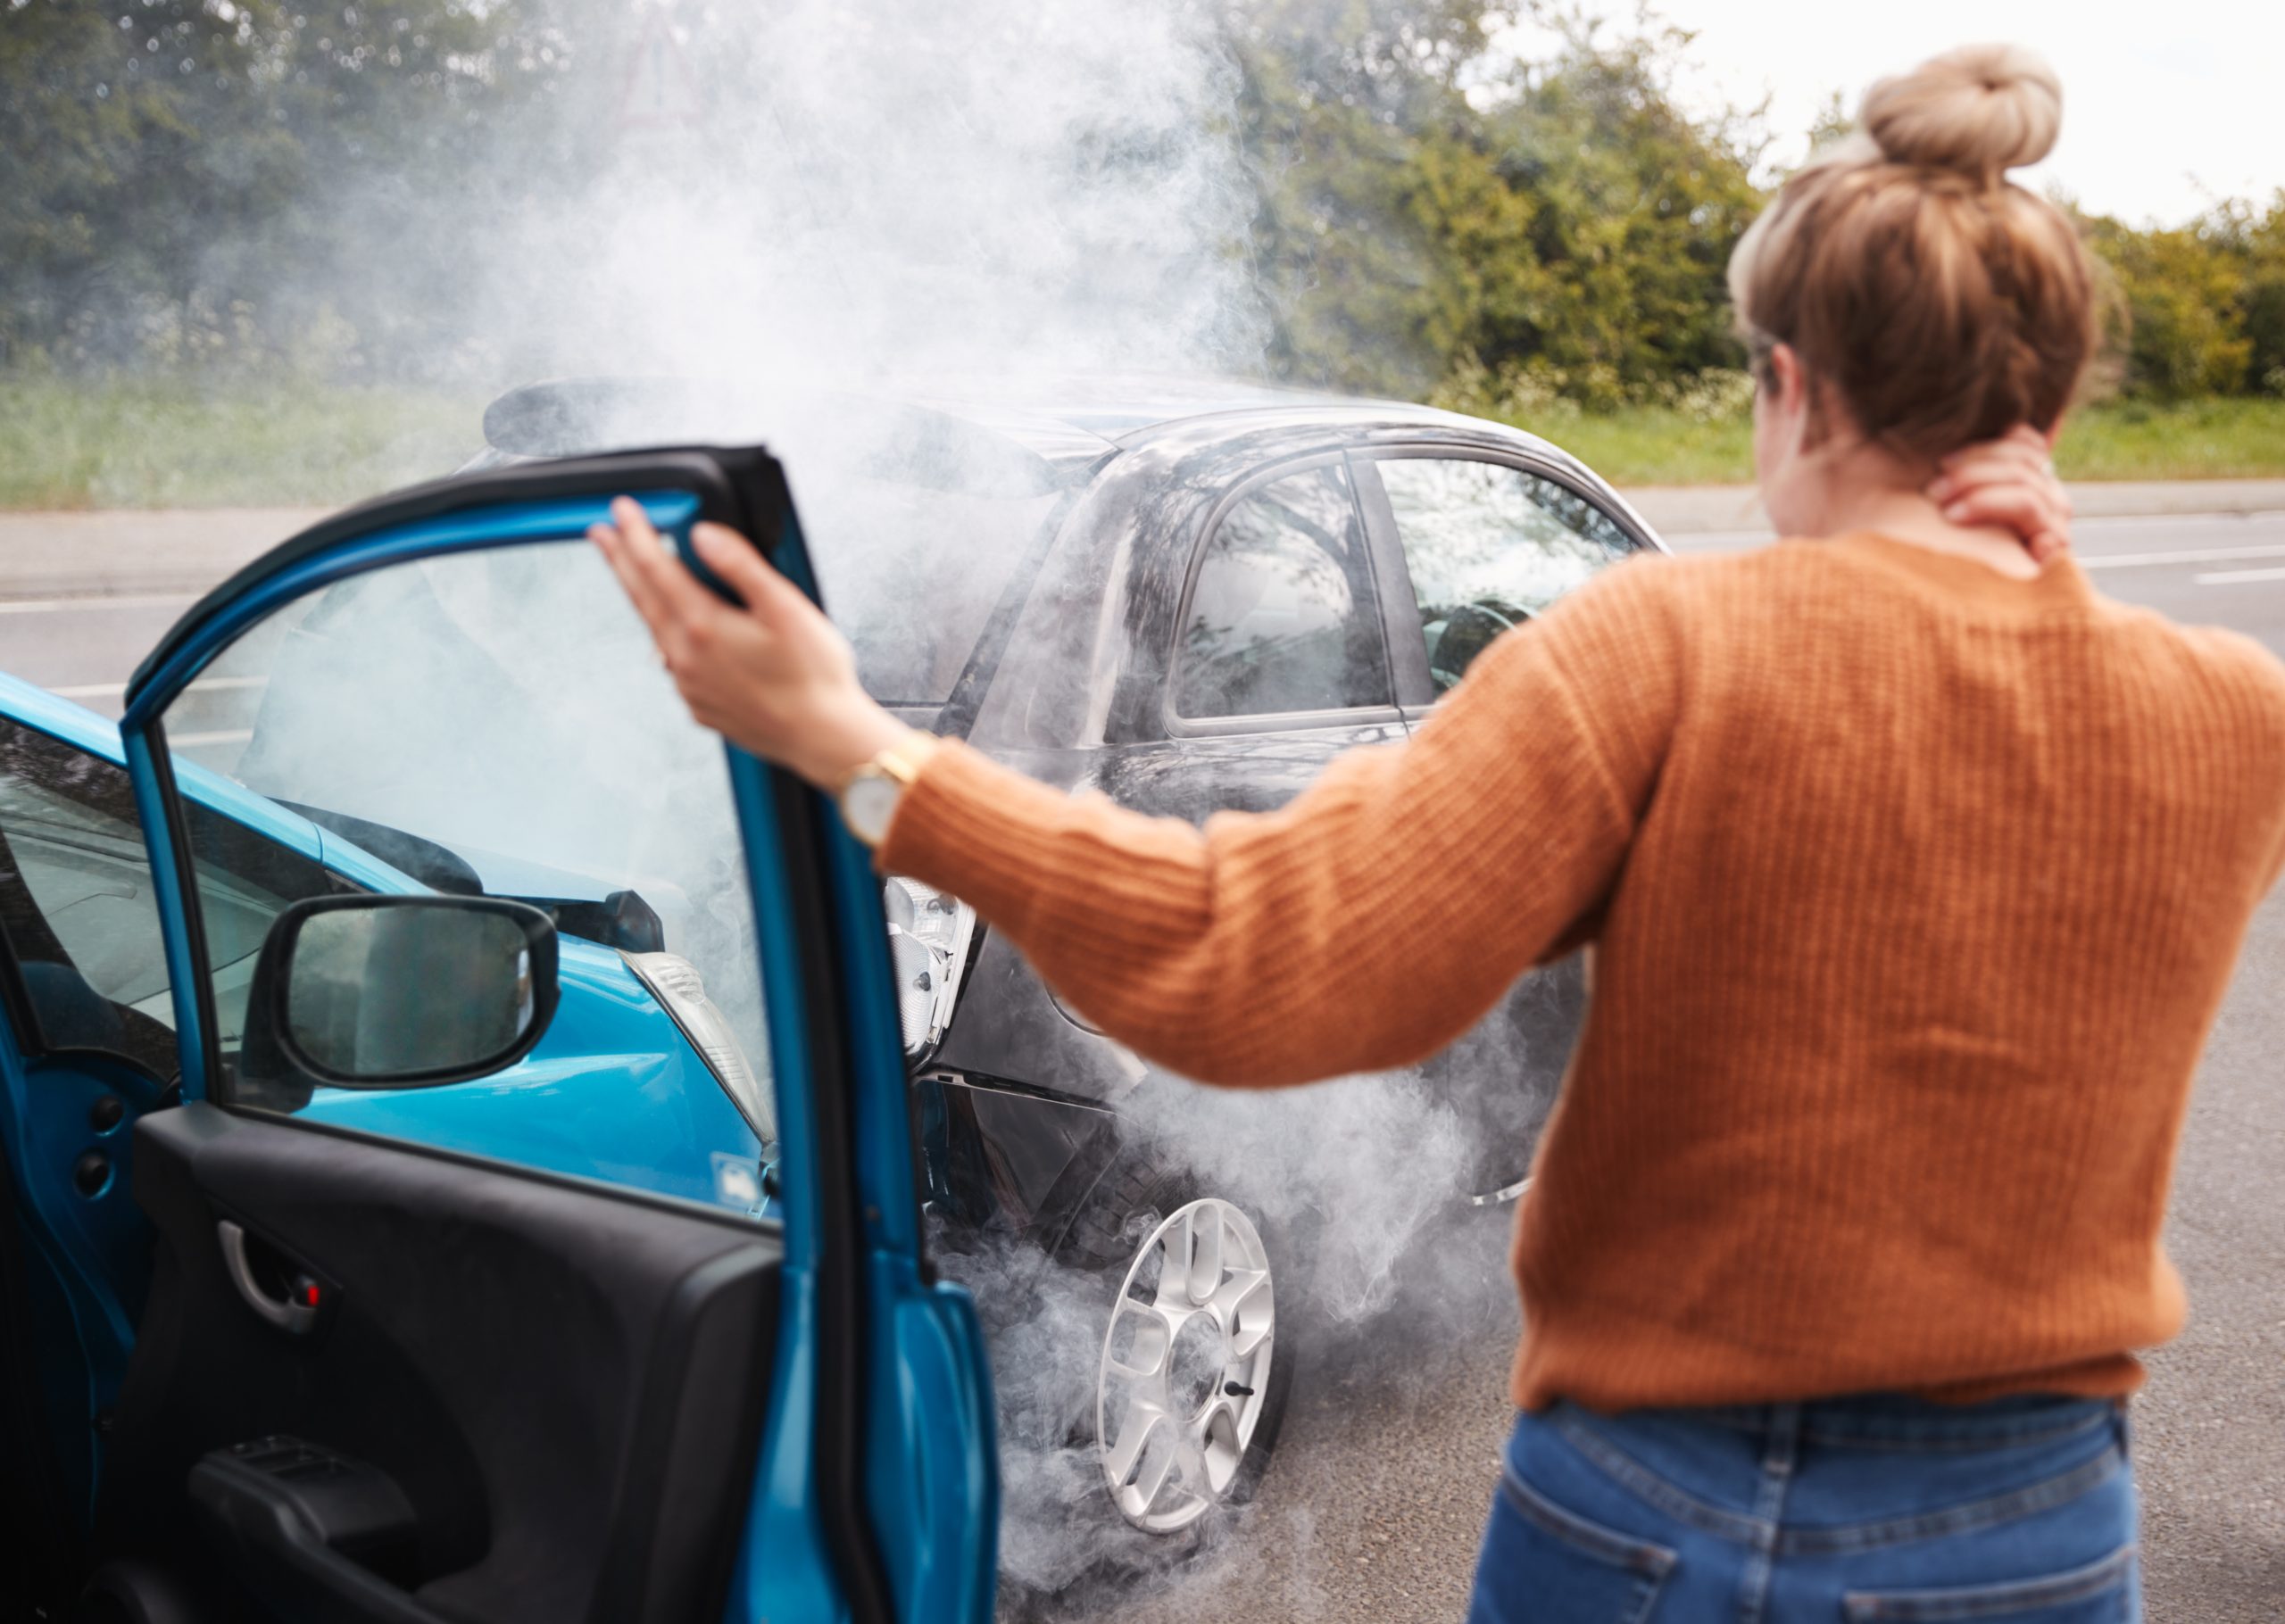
[(775, 676)]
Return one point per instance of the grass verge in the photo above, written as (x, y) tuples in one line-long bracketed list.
[(168, 442), (71, 443), (2214, 439)]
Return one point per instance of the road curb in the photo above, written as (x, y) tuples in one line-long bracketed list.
[(1692, 510), (121, 552)]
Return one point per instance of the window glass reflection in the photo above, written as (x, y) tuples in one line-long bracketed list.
[(1283, 617), (1488, 546)]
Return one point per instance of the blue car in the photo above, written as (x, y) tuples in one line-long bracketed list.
[(639, 1079), (402, 1229)]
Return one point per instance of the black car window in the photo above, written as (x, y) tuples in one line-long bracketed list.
[(1282, 616), (76, 904), (77, 909), (1488, 546)]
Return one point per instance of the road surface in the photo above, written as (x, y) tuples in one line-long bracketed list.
[(1373, 1506)]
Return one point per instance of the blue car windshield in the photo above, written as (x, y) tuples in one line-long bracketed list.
[(496, 721)]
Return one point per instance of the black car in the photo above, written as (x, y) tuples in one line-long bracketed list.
[(1187, 596)]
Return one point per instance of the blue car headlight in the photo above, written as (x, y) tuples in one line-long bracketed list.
[(681, 991)]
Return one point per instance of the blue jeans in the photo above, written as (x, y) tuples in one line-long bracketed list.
[(2017, 1511)]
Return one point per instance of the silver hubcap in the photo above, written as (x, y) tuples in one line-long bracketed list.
[(1185, 1366)]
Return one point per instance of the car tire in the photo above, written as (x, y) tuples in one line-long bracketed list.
[(1136, 1184)]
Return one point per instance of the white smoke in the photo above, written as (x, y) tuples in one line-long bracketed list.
[(820, 188)]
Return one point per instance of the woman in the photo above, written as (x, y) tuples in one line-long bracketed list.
[(1915, 869)]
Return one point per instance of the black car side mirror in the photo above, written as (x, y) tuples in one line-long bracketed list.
[(392, 992)]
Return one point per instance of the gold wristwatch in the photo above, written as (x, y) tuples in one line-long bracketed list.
[(869, 798)]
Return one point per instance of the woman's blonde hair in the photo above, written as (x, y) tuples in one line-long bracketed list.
[(1939, 302)]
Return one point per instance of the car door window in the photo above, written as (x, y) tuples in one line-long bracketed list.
[(493, 723), (1281, 615), (77, 906), (1488, 546), (76, 903)]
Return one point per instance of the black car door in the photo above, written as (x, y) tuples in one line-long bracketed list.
[(1471, 542)]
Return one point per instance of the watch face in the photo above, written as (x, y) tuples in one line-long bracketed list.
[(869, 803)]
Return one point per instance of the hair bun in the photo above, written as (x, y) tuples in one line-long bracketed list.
[(1981, 111)]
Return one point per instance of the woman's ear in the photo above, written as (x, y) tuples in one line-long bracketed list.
[(1792, 384)]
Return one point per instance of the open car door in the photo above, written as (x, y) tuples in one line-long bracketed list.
[(384, 1335)]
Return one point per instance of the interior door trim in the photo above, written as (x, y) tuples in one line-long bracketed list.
[(294, 1319)]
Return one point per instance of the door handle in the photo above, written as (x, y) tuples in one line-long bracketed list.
[(295, 1318)]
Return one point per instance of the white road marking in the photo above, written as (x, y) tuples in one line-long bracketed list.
[(188, 740), (2105, 521), (2231, 577), (2183, 555), (112, 691), (123, 600), (1740, 541)]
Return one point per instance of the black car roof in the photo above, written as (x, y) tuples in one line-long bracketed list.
[(1062, 420)]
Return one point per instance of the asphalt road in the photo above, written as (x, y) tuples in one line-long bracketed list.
[(1373, 1507)]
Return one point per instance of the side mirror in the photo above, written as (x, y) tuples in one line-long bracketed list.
[(382, 992)]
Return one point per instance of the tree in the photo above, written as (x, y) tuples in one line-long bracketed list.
[(1337, 105), (1594, 240), (166, 156), (2181, 289)]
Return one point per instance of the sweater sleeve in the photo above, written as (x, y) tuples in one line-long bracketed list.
[(1371, 920)]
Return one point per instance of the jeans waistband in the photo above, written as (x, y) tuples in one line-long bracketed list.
[(1899, 1420)]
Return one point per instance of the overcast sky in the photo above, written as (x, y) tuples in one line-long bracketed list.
[(2167, 104)]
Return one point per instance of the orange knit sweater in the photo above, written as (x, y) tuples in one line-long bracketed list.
[(1914, 890)]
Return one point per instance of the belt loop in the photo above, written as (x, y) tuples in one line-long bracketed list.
[(1784, 1446), (1779, 1456)]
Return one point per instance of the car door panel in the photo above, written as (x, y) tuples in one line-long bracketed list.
[(1009, 1024), (80, 1272), (77, 1064), (560, 1380)]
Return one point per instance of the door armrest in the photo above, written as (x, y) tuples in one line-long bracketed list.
[(312, 1533)]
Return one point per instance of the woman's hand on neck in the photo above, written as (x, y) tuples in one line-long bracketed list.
[(1996, 503), (1873, 494)]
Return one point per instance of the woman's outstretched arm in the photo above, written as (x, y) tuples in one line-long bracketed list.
[(1381, 912), (1376, 916), (1365, 924)]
